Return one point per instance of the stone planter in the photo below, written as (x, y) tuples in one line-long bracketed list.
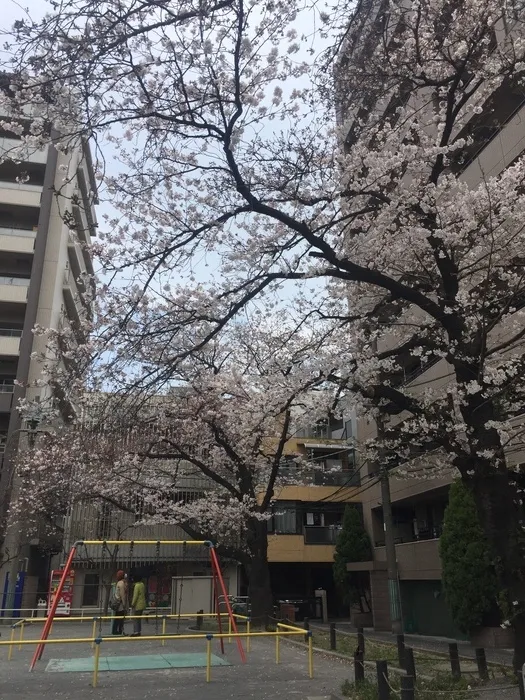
[(492, 638), (359, 619)]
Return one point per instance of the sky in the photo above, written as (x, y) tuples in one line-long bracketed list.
[(35, 9)]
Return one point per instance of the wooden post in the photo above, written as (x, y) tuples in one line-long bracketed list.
[(361, 640), (96, 663), (359, 667), (410, 666), (199, 619), (333, 637), (454, 661), (401, 650), (481, 661), (407, 688), (209, 637), (310, 655), (383, 688)]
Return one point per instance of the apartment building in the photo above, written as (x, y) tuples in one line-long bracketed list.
[(308, 512), (306, 517), (46, 279), (418, 504)]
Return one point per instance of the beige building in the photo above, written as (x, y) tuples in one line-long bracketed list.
[(418, 504), (45, 279)]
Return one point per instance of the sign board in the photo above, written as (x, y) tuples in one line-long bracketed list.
[(66, 598)]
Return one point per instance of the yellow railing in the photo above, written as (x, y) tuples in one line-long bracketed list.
[(281, 631)]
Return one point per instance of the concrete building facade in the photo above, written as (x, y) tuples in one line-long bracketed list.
[(418, 504), (46, 280)]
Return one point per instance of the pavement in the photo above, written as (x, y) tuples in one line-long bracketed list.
[(259, 679)]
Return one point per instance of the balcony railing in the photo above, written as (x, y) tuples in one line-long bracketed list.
[(318, 477), (20, 231), (321, 534), (7, 386), (15, 281), (11, 332)]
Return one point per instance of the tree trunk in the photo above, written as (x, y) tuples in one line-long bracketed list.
[(258, 572)]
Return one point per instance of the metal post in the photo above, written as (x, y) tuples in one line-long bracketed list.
[(394, 596), (407, 688), (310, 655), (454, 661), (10, 654), (199, 619), (229, 631), (481, 661), (306, 625), (383, 688), (21, 635), (333, 637), (209, 637), (248, 638), (410, 666), (163, 643), (361, 640), (401, 650), (94, 632), (96, 662), (277, 650)]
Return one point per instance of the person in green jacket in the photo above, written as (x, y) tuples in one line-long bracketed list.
[(138, 603)]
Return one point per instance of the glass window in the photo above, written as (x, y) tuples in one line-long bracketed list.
[(90, 592)]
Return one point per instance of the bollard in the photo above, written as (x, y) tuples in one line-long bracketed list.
[(383, 688), (229, 630), (481, 661), (310, 655), (306, 625), (410, 666), (277, 649), (10, 654), (21, 638), (248, 638), (199, 619), (361, 639), (407, 688), (359, 667), (96, 662), (163, 643), (401, 650), (333, 637), (209, 637), (455, 667), (521, 685)]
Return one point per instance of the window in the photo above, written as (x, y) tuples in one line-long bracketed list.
[(284, 520), (90, 591)]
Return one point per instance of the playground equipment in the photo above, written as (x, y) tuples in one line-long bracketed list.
[(218, 586)]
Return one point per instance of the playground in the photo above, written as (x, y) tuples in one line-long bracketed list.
[(180, 654), (146, 669)]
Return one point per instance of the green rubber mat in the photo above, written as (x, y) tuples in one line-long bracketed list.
[(134, 663)]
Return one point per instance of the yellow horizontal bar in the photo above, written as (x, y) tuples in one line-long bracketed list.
[(151, 616), (191, 542), (291, 627), (88, 640)]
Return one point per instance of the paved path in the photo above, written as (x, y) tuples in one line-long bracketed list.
[(259, 679)]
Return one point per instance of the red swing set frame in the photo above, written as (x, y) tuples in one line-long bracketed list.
[(218, 586)]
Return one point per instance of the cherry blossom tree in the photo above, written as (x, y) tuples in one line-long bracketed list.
[(229, 157), (206, 454)]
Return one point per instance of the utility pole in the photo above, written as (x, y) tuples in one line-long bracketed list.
[(394, 595)]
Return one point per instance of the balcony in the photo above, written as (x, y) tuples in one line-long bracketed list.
[(318, 477), (321, 534), (16, 240), (417, 560), (20, 194), (17, 150), (7, 388), (14, 289), (10, 341), (70, 291)]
